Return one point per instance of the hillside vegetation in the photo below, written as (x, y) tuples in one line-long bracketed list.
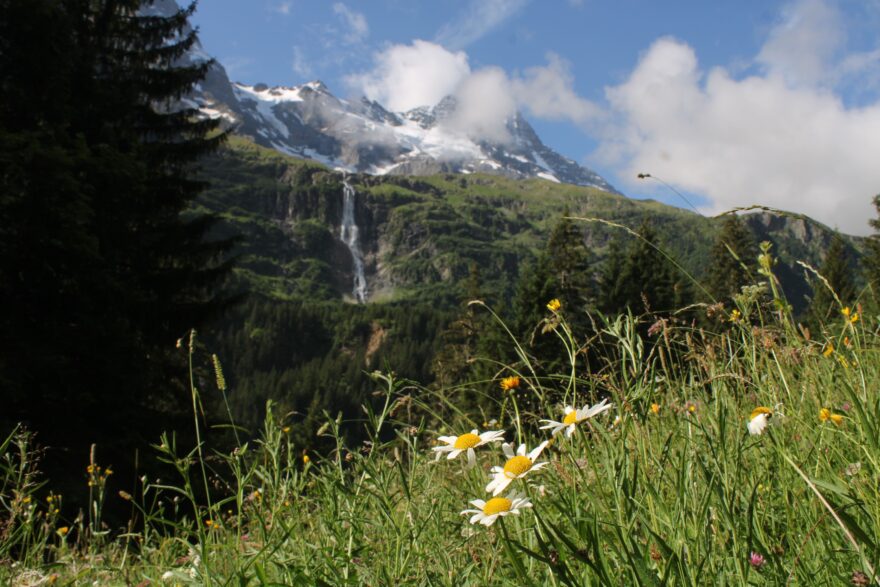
[(431, 244), (744, 455), (421, 233)]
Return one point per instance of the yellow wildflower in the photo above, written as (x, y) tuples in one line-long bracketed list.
[(306, 459), (655, 408), (824, 414), (554, 305), (63, 530), (509, 383), (837, 419), (845, 311), (735, 316), (829, 350), (854, 318)]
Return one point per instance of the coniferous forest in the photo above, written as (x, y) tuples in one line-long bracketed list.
[(175, 304), (103, 264)]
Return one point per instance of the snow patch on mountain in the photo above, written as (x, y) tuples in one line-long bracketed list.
[(308, 121)]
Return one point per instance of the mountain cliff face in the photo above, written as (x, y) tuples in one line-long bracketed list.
[(418, 236), (308, 121)]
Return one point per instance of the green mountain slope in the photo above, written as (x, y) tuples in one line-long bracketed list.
[(420, 235), (300, 340)]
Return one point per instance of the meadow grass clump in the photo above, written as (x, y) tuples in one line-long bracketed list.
[(741, 454)]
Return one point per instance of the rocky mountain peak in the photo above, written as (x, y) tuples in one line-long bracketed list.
[(308, 121)]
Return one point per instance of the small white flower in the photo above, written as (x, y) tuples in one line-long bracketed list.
[(759, 419), (167, 576), (574, 417), (518, 465), (455, 445), (497, 507)]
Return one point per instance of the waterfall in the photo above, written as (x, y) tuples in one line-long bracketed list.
[(348, 232)]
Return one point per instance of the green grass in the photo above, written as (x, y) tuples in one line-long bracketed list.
[(666, 488)]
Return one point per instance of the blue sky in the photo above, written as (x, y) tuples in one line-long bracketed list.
[(731, 102)]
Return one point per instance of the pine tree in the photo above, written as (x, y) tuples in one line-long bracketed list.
[(568, 261), (836, 270), (871, 258), (561, 271), (640, 278), (610, 285), (731, 260), (454, 361), (103, 266)]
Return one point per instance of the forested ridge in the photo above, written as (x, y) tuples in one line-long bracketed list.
[(102, 264)]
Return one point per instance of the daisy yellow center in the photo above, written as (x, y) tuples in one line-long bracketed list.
[(496, 505), (760, 410), (571, 417), (468, 440), (516, 466)]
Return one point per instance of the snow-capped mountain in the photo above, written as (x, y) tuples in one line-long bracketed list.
[(308, 121)]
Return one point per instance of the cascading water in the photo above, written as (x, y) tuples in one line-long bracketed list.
[(349, 234)]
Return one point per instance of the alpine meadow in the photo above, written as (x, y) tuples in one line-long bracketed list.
[(264, 335)]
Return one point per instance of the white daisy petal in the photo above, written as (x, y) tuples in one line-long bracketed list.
[(536, 452), (455, 445), (757, 424)]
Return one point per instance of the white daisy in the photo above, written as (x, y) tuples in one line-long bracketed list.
[(574, 417), (517, 466), (491, 510), (455, 445), (759, 419)]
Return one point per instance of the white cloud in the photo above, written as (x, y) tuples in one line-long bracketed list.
[(802, 46), (768, 139), (300, 65), (355, 22), (283, 8), (422, 74), (408, 76), (478, 19), (548, 92), (485, 102)]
